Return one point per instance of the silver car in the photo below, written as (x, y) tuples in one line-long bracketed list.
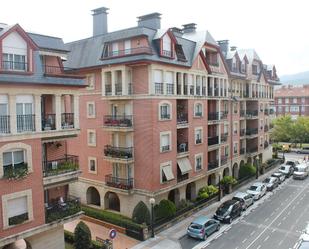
[(258, 190), (245, 199), (279, 175)]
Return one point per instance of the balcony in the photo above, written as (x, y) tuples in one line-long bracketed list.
[(58, 71), (213, 140), (121, 154), (224, 115), (213, 116), (242, 151), (266, 128), (5, 124), (182, 119), (48, 122), (224, 137), (126, 52), (68, 163), (17, 172), (62, 209), (252, 131), (169, 89), (120, 183), (266, 144), (67, 120), (181, 178), (118, 122), (108, 89), (25, 123), (266, 111), (252, 114), (213, 164), (158, 88), (223, 160), (209, 91), (182, 147), (242, 132), (242, 113), (271, 111), (252, 150)]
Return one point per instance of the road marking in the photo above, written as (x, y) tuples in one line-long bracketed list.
[(289, 212), (293, 207), (252, 233), (282, 211), (259, 247), (281, 241), (284, 218), (266, 238), (273, 230), (266, 219), (279, 224), (244, 240)]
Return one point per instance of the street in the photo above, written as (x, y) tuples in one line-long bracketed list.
[(275, 221)]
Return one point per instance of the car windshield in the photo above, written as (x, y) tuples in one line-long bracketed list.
[(289, 163), (237, 198), (299, 170), (267, 180), (253, 188), (196, 226), (283, 168), (224, 208)]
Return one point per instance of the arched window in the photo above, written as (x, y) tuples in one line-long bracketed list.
[(198, 110), (165, 111)]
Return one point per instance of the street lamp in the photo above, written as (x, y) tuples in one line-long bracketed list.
[(219, 188), (257, 162), (152, 201)]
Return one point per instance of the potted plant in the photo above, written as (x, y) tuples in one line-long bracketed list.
[(227, 183)]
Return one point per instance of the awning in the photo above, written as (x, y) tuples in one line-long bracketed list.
[(184, 165), (167, 170)]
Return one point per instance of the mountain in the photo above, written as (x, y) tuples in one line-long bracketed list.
[(295, 79)]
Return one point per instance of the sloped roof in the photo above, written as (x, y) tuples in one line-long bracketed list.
[(250, 53), (230, 54), (48, 42)]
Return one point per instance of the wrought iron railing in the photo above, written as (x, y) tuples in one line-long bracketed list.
[(118, 152), (5, 124), (117, 182), (118, 120), (66, 164), (213, 140), (67, 120), (48, 122), (25, 122)]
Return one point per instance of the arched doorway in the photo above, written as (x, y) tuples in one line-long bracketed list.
[(226, 172), (235, 170), (93, 196), (249, 160), (191, 191), (212, 179), (19, 244), (174, 196), (112, 201)]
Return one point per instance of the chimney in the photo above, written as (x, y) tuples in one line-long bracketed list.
[(189, 28), (99, 21), (152, 21), (177, 31), (224, 46), (233, 48)]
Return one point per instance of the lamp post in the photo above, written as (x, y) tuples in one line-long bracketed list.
[(257, 168), (219, 197), (152, 201)]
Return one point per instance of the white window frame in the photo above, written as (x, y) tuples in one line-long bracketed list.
[(165, 133), (89, 103), (287, 109), (287, 100), (95, 164), (195, 109), (90, 81), (170, 110), (165, 164), (89, 131), (235, 124), (294, 100), (196, 130), (235, 145), (279, 101), (200, 155)]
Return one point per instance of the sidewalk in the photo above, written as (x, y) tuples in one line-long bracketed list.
[(169, 237), (120, 242)]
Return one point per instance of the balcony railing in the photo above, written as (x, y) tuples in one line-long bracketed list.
[(198, 114), (242, 151), (108, 89), (212, 116), (213, 164), (48, 122), (251, 114), (266, 128), (204, 91), (224, 137), (224, 115), (242, 113), (210, 91), (121, 183), (165, 148), (182, 147), (60, 209), (118, 152), (118, 88), (266, 111), (25, 123), (252, 150), (130, 51), (252, 131), (14, 66), (15, 172), (165, 116), (5, 124), (158, 88), (271, 111), (66, 164), (183, 177), (118, 120), (198, 140), (223, 160), (213, 140), (169, 88), (242, 132), (67, 120), (182, 118)]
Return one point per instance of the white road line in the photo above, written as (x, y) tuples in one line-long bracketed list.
[(266, 238), (279, 224), (281, 241), (252, 233), (284, 218), (282, 211), (259, 247), (273, 230), (289, 212), (266, 219), (244, 240)]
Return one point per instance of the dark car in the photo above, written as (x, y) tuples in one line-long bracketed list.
[(271, 183), (228, 211), (292, 163)]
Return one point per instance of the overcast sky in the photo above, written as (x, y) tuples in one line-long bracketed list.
[(278, 30)]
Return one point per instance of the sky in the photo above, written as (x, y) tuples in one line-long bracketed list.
[(277, 30)]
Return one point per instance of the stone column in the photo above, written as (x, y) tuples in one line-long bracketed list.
[(57, 99), (213, 86), (76, 110), (124, 84), (175, 83), (181, 83), (113, 83), (12, 113), (38, 112)]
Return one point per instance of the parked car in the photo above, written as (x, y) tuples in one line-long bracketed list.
[(271, 183), (304, 150), (280, 176), (202, 227), (304, 245), (228, 211), (292, 162), (258, 190), (287, 170), (245, 199), (301, 171), (305, 234)]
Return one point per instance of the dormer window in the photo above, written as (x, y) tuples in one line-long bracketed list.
[(14, 62), (234, 65), (255, 69), (166, 46), (243, 66), (212, 58), (179, 52)]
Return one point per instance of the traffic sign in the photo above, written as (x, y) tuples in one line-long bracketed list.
[(112, 233)]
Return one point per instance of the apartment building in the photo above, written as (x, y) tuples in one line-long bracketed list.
[(292, 100), (39, 113), (168, 111)]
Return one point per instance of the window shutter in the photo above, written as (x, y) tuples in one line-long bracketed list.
[(24, 99), (17, 206), (158, 76), (165, 140), (18, 157), (7, 158), (169, 77)]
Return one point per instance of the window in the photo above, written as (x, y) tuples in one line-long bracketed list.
[(235, 107), (261, 123), (286, 100), (235, 128), (198, 162), (24, 112), (235, 148), (243, 66), (169, 83), (198, 110), (14, 62), (279, 101), (90, 110), (166, 172), (261, 107), (303, 100), (261, 141), (115, 50), (158, 81), (127, 46), (165, 141), (165, 111), (198, 135), (294, 108), (91, 137), (4, 118), (287, 109), (167, 46), (279, 109), (302, 109), (14, 163), (90, 81), (294, 100), (226, 150), (92, 165)]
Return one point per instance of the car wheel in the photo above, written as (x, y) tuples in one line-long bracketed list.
[(205, 237), (218, 228), (229, 221)]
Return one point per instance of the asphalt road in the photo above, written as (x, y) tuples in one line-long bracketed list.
[(275, 221)]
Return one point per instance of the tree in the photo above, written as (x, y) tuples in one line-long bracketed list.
[(300, 130), (283, 129), (141, 213), (165, 209), (82, 236)]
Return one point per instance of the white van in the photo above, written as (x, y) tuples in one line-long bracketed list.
[(301, 171)]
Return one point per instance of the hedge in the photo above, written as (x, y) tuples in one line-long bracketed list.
[(69, 238), (141, 213), (165, 209), (247, 170)]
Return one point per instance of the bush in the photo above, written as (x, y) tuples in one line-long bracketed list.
[(82, 236), (227, 180), (247, 170), (277, 147), (141, 213), (69, 238), (207, 191), (184, 204), (165, 209)]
